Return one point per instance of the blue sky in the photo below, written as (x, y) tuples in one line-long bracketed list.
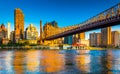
[(65, 12)]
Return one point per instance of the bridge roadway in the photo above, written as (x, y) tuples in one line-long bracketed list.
[(110, 17)]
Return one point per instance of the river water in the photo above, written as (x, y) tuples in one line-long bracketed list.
[(60, 62)]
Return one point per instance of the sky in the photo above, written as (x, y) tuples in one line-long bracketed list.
[(65, 12)]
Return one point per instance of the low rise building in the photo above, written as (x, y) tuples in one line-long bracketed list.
[(84, 42), (29, 42), (5, 41)]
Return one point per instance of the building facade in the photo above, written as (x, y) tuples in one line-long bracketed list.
[(31, 32), (119, 39), (68, 40), (115, 38), (81, 36), (95, 39), (98, 39), (12, 36), (50, 29), (18, 24), (106, 37), (75, 38), (84, 42), (3, 34)]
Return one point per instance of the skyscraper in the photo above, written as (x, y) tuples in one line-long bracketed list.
[(106, 37), (18, 24), (8, 31)]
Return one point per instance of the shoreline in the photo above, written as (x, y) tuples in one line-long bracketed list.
[(100, 48), (48, 48)]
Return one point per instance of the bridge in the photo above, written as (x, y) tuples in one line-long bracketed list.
[(109, 17)]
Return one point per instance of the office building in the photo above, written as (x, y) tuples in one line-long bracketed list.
[(18, 24)]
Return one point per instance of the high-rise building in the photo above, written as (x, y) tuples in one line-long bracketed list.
[(8, 31), (18, 24), (31, 32), (115, 38), (95, 39), (106, 37), (98, 39)]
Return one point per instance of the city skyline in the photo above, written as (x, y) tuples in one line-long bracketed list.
[(59, 36), (60, 11)]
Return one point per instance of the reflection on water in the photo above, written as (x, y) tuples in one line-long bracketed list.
[(51, 61), (113, 61), (6, 62), (60, 62), (83, 61), (32, 61), (19, 62)]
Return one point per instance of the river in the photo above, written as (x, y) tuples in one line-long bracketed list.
[(60, 61)]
